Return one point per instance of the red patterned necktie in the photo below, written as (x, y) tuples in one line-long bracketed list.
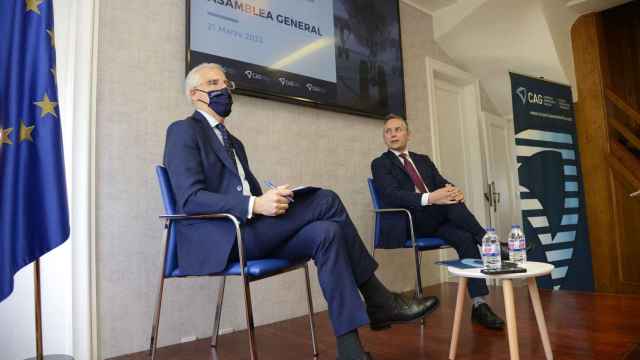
[(413, 174)]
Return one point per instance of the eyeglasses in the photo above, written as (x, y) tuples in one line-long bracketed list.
[(228, 83)]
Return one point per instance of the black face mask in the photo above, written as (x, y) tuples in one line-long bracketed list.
[(220, 101)]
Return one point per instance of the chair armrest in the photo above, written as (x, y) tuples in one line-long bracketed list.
[(406, 212), (234, 220), (198, 216), (392, 210)]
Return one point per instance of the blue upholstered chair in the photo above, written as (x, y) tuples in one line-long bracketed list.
[(247, 270), (418, 245)]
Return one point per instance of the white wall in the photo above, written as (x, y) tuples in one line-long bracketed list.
[(17, 333)]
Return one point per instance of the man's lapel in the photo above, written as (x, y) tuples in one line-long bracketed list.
[(213, 141), (395, 161)]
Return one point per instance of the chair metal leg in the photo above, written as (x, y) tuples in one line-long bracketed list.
[(418, 273), (216, 318), (373, 239), (156, 318), (249, 316), (419, 293), (156, 322), (310, 305)]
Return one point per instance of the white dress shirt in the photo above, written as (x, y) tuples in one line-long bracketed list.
[(424, 200), (246, 189)]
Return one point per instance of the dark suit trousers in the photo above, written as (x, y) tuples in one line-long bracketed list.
[(456, 225), (317, 226)]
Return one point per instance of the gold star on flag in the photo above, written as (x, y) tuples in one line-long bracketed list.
[(4, 136), (25, 132), (47, 106), (32, 5), (52, 35)]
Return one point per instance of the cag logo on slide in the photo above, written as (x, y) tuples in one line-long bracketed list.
[(531, 97), (313, 88), (255, 76), (288, 83)]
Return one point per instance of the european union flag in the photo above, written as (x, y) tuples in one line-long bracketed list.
[(33, 199)]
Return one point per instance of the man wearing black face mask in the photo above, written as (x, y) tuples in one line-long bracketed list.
[(209, 173)]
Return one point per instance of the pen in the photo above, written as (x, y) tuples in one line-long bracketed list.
[(271, 186)]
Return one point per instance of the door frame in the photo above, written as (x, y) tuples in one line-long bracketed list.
[(472, 149)]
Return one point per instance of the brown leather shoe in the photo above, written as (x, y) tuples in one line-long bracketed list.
[(400, 310)]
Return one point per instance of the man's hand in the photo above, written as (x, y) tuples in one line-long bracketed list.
[(274, 202), (446, 195), (459, 195)]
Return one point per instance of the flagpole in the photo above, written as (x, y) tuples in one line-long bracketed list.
[(38, 305), (36, 287)]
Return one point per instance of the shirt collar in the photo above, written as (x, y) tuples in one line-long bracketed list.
[(212, 121), (398, 153)]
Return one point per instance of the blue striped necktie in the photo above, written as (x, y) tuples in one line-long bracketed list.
[(226, 142)]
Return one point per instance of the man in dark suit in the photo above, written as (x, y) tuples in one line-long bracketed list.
[(409, 180), (209, 173)]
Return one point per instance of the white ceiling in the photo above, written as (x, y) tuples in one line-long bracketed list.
[(489, 38)]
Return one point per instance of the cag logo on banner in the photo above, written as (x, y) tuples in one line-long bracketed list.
[(531, 97)]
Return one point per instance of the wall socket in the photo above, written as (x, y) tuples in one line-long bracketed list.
[(188, 339), (191, 338), (226, 331)]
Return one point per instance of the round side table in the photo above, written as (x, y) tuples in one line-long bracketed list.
[(534, 269)]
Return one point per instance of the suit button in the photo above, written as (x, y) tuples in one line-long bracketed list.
[(239, 188)]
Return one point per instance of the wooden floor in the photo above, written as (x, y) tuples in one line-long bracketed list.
[(581, 326)]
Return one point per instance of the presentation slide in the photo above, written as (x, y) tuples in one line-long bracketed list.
[(280, 34), (343, 55)]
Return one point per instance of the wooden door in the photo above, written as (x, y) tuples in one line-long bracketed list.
[(606, 50)]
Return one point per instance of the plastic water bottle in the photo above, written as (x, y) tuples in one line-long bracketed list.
[(517, 245), (491, 250)]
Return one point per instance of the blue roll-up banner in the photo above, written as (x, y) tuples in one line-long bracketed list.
[(552, 201)]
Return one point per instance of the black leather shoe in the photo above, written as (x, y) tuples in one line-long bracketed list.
[(483, 315), (366, 356), (400, 310)]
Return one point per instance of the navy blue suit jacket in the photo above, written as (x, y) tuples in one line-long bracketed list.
[(397, 190), (205, 180)]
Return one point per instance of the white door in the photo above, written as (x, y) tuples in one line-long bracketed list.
[(501, 173), (450, 133), (457, 149)]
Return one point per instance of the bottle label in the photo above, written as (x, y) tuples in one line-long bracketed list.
[(517, 244), (490, 250)]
